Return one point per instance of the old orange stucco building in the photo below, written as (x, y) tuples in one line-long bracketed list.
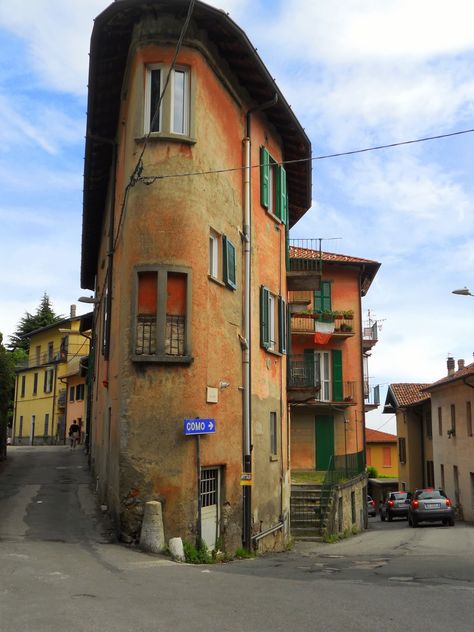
[(184, 245), (381, 451)]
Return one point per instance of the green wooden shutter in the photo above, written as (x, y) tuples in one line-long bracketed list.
[(309, 367), (282, 325), (229, 263), (322, 297), (337, 386), (287, 247), (264, 176), (281, 210), (264, 318)]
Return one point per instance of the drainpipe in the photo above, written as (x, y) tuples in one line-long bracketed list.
[(247, 378)]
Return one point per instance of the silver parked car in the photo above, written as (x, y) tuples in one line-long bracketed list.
[(395, 505), (430, 505), (370, 506)]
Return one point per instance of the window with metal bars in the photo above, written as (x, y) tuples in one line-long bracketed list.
[(162, 314), (209, 486)]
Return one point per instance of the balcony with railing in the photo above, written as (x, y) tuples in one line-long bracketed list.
[(304, 267), (41, 359), (369, 334), (305, 385), (305, 322), (371, 396)]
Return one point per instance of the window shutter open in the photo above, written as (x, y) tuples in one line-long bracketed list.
[(337, 389), (282, 325), (230, 278), (281, 194), (264, 176), (264, 318)]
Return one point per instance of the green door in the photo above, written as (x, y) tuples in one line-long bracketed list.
[(324, 440)]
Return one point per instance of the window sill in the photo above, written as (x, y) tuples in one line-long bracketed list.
[(216, 281), (166, 136), (273, 457), (162, 359), (275, 353)]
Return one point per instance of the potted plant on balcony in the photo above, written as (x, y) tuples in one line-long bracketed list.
[(349, 314), (327, 316), (338, 315), (346, 327)]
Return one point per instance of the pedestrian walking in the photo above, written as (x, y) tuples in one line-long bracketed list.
[(74, 431)]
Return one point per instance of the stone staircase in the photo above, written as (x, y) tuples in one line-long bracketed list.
[(309, 506)]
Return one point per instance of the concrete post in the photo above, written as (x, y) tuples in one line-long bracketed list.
[(152, 536)]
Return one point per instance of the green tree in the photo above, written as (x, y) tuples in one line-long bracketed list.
[(7, 385), (43, 317)]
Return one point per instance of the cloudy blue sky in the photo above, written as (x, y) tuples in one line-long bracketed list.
[(357, 73)]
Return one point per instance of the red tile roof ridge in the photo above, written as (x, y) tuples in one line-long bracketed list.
[(376, 436), (407, 393), (309, 253)]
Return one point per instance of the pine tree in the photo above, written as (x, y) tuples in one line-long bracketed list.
[(7, 381), (43, 317)]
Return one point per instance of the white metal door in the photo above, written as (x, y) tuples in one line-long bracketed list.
[(210, 502)]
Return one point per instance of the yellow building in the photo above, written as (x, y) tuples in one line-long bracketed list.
[(381, 452), (46, 382)]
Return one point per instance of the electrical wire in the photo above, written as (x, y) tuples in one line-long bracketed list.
[(137, 171), (151, 179)]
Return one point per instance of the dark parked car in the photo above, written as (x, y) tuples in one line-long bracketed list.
[(430, 505), (370, 506), (395, 505)]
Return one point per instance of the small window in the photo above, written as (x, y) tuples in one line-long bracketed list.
[(429, 429), (162, 315), (79, 392), (222, 259), (167, 113), (50, 351), (23, 386), (469, 419), (48, 380), (273, 330), (71, 393), (440, 421), (453, 420), (46, 424), (35, 383), (273, 195), (387, 457), (273, 434), (402, 450)]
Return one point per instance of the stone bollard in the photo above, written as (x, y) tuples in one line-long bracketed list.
[(152, 536), (175, 546)]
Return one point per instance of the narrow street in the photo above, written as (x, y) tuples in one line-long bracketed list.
[(61, 570)]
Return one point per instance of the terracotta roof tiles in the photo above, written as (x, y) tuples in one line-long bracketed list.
[(375, 436), (407, 394), (309, 253)]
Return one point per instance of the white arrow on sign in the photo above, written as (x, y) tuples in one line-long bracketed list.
[(211, 425)]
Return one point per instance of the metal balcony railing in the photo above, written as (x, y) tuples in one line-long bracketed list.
[(370, 332), (301, 373), (306, 322), (305, 255), (42, 359)]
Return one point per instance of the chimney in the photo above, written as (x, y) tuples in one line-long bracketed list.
[(73, 311), (451, 365), (460, 364)]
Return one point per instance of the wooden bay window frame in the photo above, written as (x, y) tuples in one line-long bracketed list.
[(152, 333), (173, 119), (273, 190)]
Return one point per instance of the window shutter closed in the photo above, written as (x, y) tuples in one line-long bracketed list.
[(322, 297), (264, 176), (264, 318), (230, 278), (337, 390), (282, 198), (309, 377), (282, 324)]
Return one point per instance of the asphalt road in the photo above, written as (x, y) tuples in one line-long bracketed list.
[(60, 570)]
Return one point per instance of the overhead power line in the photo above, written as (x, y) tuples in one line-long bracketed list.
[(153, 178)]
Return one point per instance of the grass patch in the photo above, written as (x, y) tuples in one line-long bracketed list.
[(197, 554), (244, 554), (332, 538), (307, 476)]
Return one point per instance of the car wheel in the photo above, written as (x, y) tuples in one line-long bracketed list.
[(451, 522), (382, 517)]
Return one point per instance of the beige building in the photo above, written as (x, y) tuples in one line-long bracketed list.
[(411, 405), (452, 401)]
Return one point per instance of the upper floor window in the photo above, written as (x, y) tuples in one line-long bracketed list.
[(273, 329), (167, 113), (162, 314), (23, 386), (48, 380), (273, 195), (322, 297), (222, 260), (79, 392), (50, 351)]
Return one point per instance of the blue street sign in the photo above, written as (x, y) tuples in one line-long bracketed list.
[(199, 426)]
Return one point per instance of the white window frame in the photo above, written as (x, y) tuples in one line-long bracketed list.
[(272, 303), (322, 373), (214, 248), (185, 104)]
